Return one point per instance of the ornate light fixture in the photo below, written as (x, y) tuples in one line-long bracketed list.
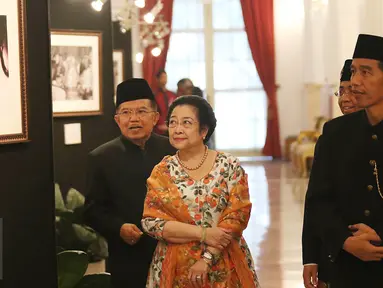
[(153, 28), (97, 5)]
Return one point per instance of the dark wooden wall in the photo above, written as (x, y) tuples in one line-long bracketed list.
[(70, 161), (27, 187)]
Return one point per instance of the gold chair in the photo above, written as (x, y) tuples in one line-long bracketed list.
[(304, 141), (305, 152), (303, 149)]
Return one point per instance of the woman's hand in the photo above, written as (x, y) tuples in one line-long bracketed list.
[(198, 274), (217, 238)]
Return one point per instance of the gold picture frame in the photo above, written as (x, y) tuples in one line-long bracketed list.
[(13, 73), (76, 73)]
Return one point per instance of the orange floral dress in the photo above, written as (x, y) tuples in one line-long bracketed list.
[(220, 199)]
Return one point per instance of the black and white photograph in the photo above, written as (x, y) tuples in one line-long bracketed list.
[(4, 71), (75, 68), (118, 69), (71, 73), (13, 96)]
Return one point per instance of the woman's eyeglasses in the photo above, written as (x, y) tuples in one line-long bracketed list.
[(187, 124)]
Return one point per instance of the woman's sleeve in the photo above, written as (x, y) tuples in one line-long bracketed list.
[(237, 213), (152, 221), (154, 227)]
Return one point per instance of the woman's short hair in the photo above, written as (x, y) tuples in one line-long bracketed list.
[(205, 113)]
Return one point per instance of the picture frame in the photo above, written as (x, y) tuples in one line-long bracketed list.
[(76, 70), (118, 69), (13, 73)]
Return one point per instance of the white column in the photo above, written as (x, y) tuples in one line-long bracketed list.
[(308, 69), (348, 30), (330, 43), (371, 17), (290, 62), (209, 51), (315, 64), (136, 48), (318, 19)]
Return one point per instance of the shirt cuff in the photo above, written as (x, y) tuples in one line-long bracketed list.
[(310, 264)]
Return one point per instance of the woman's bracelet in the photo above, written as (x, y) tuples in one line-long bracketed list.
[(203, 236)]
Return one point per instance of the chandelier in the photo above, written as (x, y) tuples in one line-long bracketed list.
[(153, 28)]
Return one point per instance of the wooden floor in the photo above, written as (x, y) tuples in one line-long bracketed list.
[(274, 230)]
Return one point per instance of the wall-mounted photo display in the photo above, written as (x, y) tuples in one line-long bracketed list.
[(76, 73), (13, 79), (118, 69)]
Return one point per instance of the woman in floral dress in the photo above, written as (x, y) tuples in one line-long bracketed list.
[(198, 206)]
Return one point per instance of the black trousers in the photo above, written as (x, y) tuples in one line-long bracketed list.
[(350, 272), (129, 265)]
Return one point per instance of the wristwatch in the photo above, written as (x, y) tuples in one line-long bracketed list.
[(207, 255), (208, 258)]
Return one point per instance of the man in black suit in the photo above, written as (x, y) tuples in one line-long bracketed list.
[(116, 183), (344, 196), (317, 268)]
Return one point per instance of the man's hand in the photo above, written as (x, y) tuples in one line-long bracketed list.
[(359, 229), (310, 276), (360, 247), (130, 233)]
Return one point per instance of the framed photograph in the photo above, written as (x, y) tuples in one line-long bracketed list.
[(13, 79), (76, 73), (118, 69)]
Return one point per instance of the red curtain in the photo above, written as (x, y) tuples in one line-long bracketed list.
[(259, 24), (151, 64)]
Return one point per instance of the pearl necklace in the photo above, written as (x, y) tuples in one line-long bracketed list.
[(199, 165)]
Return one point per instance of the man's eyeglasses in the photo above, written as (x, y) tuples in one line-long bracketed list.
[(187, 124), (342, 92), (141, 113)]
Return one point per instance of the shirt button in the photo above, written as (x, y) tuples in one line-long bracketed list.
[(367, 213), (374, 137), (372, 162), (370, 187)]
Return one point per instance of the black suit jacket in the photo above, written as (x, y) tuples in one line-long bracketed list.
[(343, 191), (313, 251), (116, 190)]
